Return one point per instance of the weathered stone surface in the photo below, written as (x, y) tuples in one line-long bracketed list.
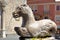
[(8, 21), (44, 28)]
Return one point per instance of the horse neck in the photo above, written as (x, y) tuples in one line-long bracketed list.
[(30, 18), (27, 19)]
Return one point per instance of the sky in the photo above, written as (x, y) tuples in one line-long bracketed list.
[(57, 0)]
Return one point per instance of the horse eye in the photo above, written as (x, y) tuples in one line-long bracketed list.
[(23, 5)]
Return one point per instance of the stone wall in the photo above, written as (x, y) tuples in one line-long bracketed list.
[(8, 21)]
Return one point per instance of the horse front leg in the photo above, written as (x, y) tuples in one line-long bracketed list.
[(22, 31)]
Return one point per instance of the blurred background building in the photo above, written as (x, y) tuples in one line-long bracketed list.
[(7, 22), (46, 9), (41, 9)]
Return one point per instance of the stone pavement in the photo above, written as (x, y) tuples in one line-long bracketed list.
[(11, 37)]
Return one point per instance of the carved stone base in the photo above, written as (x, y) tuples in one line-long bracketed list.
[(31, 38)]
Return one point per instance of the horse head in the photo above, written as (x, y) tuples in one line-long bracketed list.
[(22, 10)]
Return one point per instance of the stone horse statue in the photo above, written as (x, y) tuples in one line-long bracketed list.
[(32, 28)]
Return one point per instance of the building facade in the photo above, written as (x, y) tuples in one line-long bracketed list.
[(46, 8), (7, 22)]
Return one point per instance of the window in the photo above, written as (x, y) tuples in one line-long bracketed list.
[(46, 9), (58, 7), (57, 17), (57, 0)]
